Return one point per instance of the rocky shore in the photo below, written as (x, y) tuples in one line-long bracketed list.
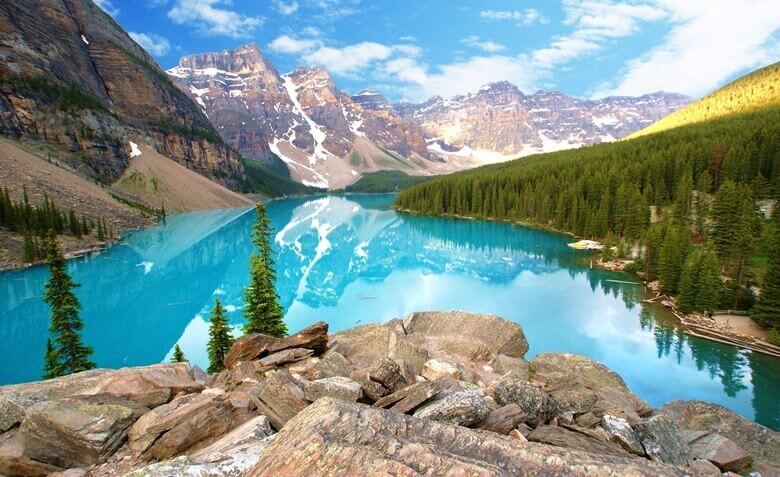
[(431, 394)]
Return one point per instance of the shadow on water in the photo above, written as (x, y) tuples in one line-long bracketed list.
[(352, 259)]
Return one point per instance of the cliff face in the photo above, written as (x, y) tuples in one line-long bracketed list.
[(73, 78), (301, 117)]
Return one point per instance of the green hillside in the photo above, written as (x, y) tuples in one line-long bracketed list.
[(705, 179), (755, 90)]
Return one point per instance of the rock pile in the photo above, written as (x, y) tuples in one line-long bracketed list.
[(434, 393)]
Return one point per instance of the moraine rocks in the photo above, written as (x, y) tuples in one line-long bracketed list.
[(434, 393)]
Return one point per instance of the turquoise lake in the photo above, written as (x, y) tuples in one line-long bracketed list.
[(349, 260)]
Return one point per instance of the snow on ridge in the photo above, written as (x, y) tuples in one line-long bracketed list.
[(135, 151)]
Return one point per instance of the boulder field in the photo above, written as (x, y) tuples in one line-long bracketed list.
[(435, 393)]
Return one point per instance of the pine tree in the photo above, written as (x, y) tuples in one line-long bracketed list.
[(178, 355), (700, 283), (671, 259), (65, 324), (263, 312), (52, 367), (767, 310), (220, 339), (73, 224), (101, 231)]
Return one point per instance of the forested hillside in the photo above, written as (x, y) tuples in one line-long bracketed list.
[(756, 90), (706, 181)]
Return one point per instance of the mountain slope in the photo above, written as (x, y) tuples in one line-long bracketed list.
[(607, 188), (302, 119), (758, 89)]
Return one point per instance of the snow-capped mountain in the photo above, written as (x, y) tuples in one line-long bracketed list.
[(499, 122), (326, 138)]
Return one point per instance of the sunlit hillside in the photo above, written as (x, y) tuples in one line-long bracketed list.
[(758, 89)]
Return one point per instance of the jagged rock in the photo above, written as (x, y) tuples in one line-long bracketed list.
[(662, 440), (331, 364), (704, 468), (315, 338), (371, 389), (388, 374), (465, 408), (581, 385), (569, 439), (723, 452), (762, 443), (331, 437), (337, 387), (14, 463), (621, 433), (539, 407), (504, 419), (77, 432), (586, 419), (503, 364), (283, 396), (517, 435), (410, 397), (248, 348), (283, 357), (434, 369), (146, 385), (188, 420)]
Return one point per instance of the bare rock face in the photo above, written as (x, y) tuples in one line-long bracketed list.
[(464, 408), (762, 443), (561, 437), (388, 374), (314, 338), (283, 396), (409, 398), (584, 386), (662, 440), (284, 357), (336, 387), (77, 432), (621, 433), (539, 407), (330, 365), (723, 452), (13, 462), (333, 437), (146, 385), (248, 348), (504, 419)]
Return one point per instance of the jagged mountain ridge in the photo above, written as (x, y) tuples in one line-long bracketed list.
[(328, 139), (324, 137), (499, 122)]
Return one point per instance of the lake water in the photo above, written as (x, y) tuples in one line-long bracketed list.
[(350, 260)]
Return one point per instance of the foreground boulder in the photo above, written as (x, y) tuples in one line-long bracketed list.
[(723, 452), (573, 440), (333, 437), (587, 388), (13, 462), (538, 406), (621, 433), (465, 408), (77, 432), (248, 348), (662, 440), (762, 443), (147, 385)]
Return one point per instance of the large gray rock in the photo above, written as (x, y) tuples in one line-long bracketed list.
[(77, 432), (14, 463), (662, 440), (248, 348), (330, 365), (388, 374), (337, 387), (539, 407), (147, 385), (621, 433), (504, 419), (762, 443), (333, 437), (465, 408), (315, 338), (723, 452), (587, 387), (409, 398), (286, 356), (573, 440), (283, 396)]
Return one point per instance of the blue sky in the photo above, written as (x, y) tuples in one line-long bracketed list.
[(413, 49)]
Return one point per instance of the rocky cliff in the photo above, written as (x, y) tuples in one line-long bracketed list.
[(435, 393), (322, 135), (72, 78), (499, 122)]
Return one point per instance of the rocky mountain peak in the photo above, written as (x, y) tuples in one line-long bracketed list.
[(372, 100)]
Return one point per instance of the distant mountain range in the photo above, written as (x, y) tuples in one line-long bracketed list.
[(328, 138)]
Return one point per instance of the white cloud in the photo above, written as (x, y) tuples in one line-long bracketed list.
[(710, 42), (155, 44), (210, 18), (521, 17), (349, 60), (286, 7), (487, 46), (107, 7), (289, 45)]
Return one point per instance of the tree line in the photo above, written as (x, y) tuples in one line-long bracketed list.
[(65, 352), (34, 222), (704, 181)]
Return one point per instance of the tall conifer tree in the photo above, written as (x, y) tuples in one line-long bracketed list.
[(178, 355), (220, 339)]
